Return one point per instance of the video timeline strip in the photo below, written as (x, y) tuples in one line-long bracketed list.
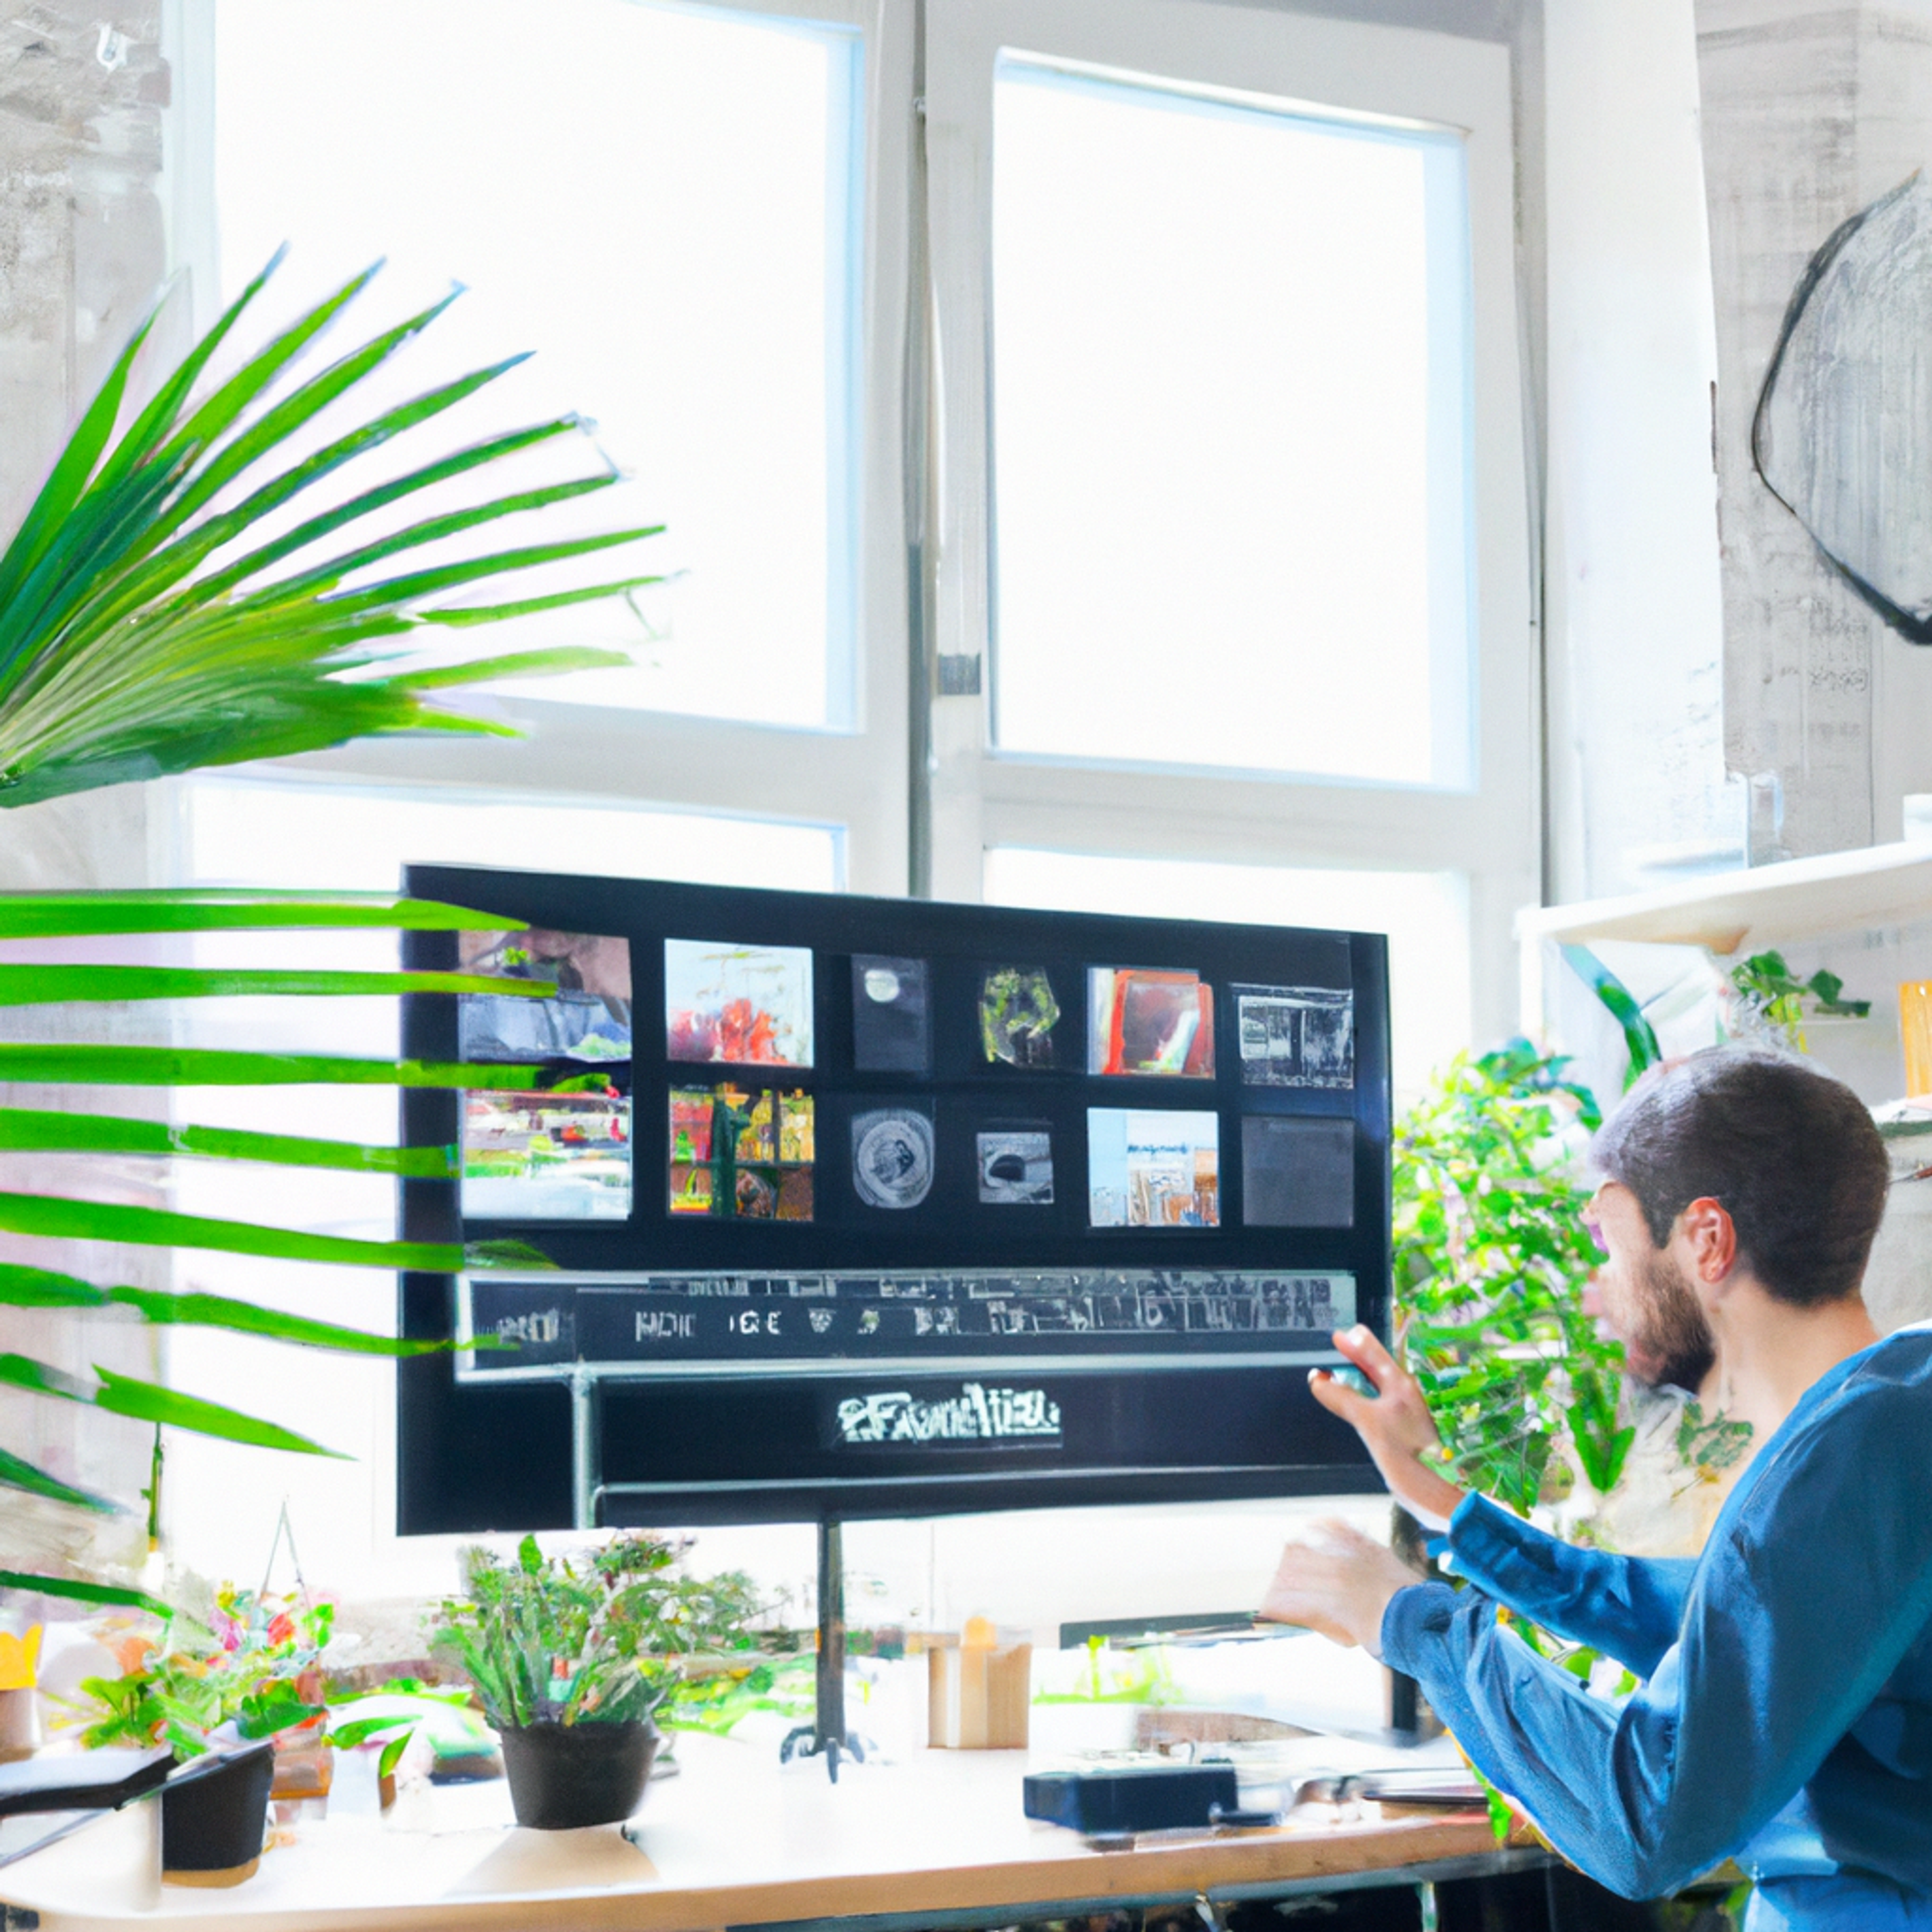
[(731, 1316)]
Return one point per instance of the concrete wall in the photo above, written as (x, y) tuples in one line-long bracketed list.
[(1811, 113), (81, 254), (82, 250), (1634, 637)]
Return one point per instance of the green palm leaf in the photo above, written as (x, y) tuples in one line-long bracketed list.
[(23, 1287), (87, 1593), (95, 1066), (17, 1473), (60, 985), (127, 653), (148, 1402), (55, 1217), (225, 908), (40, 1130)]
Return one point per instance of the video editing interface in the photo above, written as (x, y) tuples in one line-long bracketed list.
[(932, 1176)]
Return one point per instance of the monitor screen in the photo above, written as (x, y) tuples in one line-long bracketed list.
[(829, 1204)]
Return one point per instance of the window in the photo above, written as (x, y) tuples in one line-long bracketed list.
[(1232, 563), (695, 218), (1089, 436), (1230, 353), (665, 205)]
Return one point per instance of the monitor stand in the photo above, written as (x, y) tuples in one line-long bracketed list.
[(827, 1734)]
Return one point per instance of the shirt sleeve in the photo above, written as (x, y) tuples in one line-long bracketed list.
[(1628, 1607), (1774, 1665)]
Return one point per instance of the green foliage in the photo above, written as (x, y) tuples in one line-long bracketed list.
[(90, 1065), (255, 1670), (82, 1590), (147, 1402), (55, 1218), (1639, 1037), (1710, 1445), (1491, 1260), (598, 1637), (34, 986), (718, 1700), (148, 626), (24, 1130), (395, 1711), (17, 1473), (1768, 994), (231, 908), (23, 1287), (39, 1130)]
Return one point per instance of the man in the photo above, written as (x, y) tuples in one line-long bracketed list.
[(1787, 1718)]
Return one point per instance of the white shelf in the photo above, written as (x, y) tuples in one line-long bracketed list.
[(1874, 887)]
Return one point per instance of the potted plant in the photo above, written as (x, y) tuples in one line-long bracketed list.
[(221, 1698), (1492, 1259), (572, 1655)]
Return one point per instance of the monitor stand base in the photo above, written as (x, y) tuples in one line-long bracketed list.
[(826, 1735)]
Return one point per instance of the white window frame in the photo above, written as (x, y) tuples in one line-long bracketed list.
[(857, 779), (983, 797), (917, 786)]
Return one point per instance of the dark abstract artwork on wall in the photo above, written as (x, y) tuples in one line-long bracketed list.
[(1843, 434)]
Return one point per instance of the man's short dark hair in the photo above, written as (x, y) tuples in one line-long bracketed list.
[(1790, 1153)]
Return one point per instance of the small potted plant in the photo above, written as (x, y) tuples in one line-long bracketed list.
[(226, 1694), (571, 1655)]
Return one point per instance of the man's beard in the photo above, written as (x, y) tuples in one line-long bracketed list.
[(1673, 1343)]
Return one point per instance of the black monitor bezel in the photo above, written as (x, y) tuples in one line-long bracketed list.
[(474, 1457)]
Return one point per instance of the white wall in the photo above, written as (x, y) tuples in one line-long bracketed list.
[(1634, 619)]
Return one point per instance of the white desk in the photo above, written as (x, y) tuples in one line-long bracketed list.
[(733, 1841)]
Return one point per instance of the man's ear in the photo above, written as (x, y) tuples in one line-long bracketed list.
[(1706, 1227)]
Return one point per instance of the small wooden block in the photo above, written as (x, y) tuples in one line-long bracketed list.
[(979, 1697)]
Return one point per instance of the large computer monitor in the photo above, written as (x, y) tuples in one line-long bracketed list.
[(881, 1206)]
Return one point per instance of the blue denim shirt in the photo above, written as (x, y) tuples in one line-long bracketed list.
[(1787, 1718)]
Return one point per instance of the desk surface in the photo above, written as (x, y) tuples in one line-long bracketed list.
[(735, 1840)]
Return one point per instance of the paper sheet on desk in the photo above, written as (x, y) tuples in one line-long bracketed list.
[(1293, 1677), (1290, 1677), (1271, 1771)]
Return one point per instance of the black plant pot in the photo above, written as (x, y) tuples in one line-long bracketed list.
[(213, 1822), (564, 1775)]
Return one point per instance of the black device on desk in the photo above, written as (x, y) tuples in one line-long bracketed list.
[(1134, 1799), (866, 1207)]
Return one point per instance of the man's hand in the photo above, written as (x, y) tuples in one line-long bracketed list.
[(1339, 1581), (1395, 1424)]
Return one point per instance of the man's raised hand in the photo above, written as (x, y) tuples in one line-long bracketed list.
[(1338, 1582), (1395, 1424)]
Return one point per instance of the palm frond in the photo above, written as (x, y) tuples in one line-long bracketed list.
[(24, 1287), (57, 1217), (129, 651), (85, 1591), (230, 908), (44, 1130), (148, 1402)]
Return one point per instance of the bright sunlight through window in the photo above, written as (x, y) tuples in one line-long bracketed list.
[(662, 203), (1230, 435)]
